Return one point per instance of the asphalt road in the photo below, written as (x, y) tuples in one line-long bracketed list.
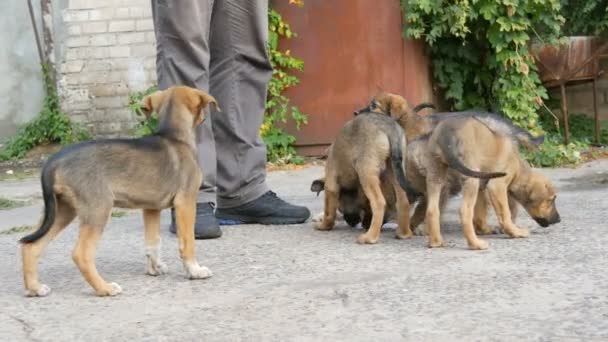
[(279, 283)]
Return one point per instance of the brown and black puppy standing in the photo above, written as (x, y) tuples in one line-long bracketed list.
[(367, 147), (152, 173), (459, 152), (416, 126)]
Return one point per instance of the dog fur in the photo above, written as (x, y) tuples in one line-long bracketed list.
[(417, 125), (156, 172), (367, 147), (463, 150)]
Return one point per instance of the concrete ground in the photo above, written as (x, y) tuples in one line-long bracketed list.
[(282, 283)]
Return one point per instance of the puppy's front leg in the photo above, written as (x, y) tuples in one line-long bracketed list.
[(469, 197), (330, 209), (434, 187), (154, 265), (185, 214), (500, 201)]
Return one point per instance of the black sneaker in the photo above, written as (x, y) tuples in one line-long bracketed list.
[(206, 225), (267, 209)]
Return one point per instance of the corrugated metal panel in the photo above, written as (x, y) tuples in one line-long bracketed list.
[(351, 50)]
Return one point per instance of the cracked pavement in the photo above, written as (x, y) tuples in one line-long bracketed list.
[(277, 283)]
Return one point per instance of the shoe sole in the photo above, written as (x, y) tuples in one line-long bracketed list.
[(227, 220), (200, 237)]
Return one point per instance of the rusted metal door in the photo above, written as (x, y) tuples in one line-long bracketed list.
[(351, 49)]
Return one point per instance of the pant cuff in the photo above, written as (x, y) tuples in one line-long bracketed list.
[(247, 196)]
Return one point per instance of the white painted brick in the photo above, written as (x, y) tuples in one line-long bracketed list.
[(131, 37), (145, 50), (121, 25), (144, 25), (151, 37), (101, 14), (79, 117), (103, 40), (95, 27), (120, 64), (147, 11), (136, 3), (99, 65), (110, 102), (77, 41), (84, 4), (74, 29), (75, 15), (121, 13), (150, 63), (136, 12), (120, 51), (72, 66)]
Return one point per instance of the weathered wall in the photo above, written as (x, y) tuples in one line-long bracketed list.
[(108, 52), (21, 91)]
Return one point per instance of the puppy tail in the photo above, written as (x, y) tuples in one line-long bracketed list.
[(423, 106), (448, 144), (50, 205), (396, 147)]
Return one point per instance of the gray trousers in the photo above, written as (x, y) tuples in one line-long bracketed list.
[(219, 46)]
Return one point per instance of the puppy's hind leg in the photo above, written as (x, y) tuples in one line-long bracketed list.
[(403, 212), (30, 252), (154, 265), (331, 205), (185, 214), (480, 217), (418, 217), (84, 257), (469, 197), (371, 187)]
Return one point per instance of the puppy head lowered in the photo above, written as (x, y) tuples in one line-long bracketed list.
[(348, 202), (539, 200), (388, 103), (184, 100)]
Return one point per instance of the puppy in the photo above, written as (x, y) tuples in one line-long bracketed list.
[(156, 172), (463, 150), (366, 147), (416, 125), (354, 206)]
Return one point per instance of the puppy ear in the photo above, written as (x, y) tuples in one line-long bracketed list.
[(204, 100), (152, 103), (209, 100), (317, 186)]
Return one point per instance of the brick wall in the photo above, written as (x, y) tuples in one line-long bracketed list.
[(108, 52)]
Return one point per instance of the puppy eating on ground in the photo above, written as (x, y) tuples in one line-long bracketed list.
[(461, 151), (152, 173), (367, 147)]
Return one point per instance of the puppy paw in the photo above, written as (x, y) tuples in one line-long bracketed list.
[(42, 291), (198, 272), (322, 226), (519, 233), (478, 245), (366, 239), (403, 235), (156, 268), (318, 218), (435, 243), (112, 289), (485, 230), (419, 231)]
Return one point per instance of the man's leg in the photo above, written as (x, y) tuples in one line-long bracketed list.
[(182, 42), (240, 72)]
